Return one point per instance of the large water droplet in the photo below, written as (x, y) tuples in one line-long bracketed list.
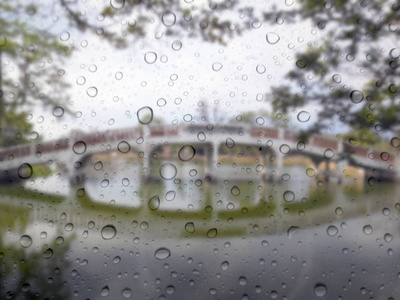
[(320, 289), (332, 230), (25, 171), (117, 4), (98, 166), (48, 253), (336, 78), (235, 191), (145, 115), (150, 57), (162, 253), (272, 38), (177, 45), (261, 69), (92, 91), (367, 229), (79, 147), (126, 293), (186, 153), (168, 171), (189, 227), (303, 116), (168, 19), (108, 232), (124, 147), (356, 96), (329, 153), (284, 149), (201, 136), (217, 66), (212, 233), (25, 241), (288, 196), (225, 265), (395, 142), (104, 291), (58, 111), (170, 195), (154, 203)]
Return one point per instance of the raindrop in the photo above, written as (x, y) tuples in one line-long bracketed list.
[(81, 80), (154, 203), (150, 57), (162, 253), (386, 211), (301, 146), (125, 182), (235, 191), (189, 227), (144, 225), (168, 171), (80, 192), (356, 96), (256, 24), (92, 91), (117, 4), (58, 111), (388, 237), (119, 75), (242, 280), (336, 78), (259, 168), (301, 64), (25, 241), (261, 69), (284, 148), (260, 121), (79, 147), (124, 147), (230, 143), (332, 230), (201, 136), (392, 89), (272, 38), (104, 291), (225, 265), (303, 116), (161, 102), (310, 172), (25, 171), (329, 153), (65, 36), (145, 115), (292, 230), (320, 289), (59, 240), (48, 253), (168, 19), (108, 232), (177, 45), (216, 66), (186, 153), (3, 41), (395, 53), (367, 229), (288, 196), (339, 211), (395, 142), (212, 233), (126, 293), (69, 227), (104, 183)]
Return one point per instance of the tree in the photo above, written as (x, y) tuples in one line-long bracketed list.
[(29, 73), (359, 35)]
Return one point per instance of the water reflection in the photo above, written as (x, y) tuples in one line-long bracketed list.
[(191, 235)]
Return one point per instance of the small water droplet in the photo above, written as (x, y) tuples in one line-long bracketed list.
[(145, 115), (58, 111), (25, 171), (235, 191), (288, 196), (225, 265), (336, 78), (92, 91), (272, 38), (79, 147), (329, 153), (230, 143), (170, 195), (104, 291), (367, 229), (189, 227), (217, 66), (395, 142), (69, 227), (150, 57), (261, 69), (186, 153), (356, 96), (284, 149), (201, 136), (124, 147), (25, 241), (332, 230), (154, 203), (126, 293), (212, 233), (98, 166), (104, 183), (320, 290), (303, 116), (242, 280), (162, 253), (65, 36), (119, 75), (168, 171), (48, 253), (177, 45), (301, 64), (108, 232), (168, 19)]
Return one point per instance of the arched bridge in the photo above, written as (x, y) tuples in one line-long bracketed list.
[(213, 142)]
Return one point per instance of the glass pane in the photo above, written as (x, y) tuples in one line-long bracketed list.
[(199, 149)]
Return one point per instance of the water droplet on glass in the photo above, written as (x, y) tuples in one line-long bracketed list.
[(261, 69), (168, 19), (260, 121), (170, 195), (301, 146), (336, 78), (329, 153), (217, 66), (395, 53), (272, 38), (201, 136), (242, 280), (320, 289), (108, 232), (104, 291), (301, 64), (58, 111), (367, 229), (119, 75), (386, 211), (303, 116), (395, 142), (104, 183), (150, 57), (284, 148), (48, 253), (126, 293), (154, 203), (81, 80), (177, 45), (124, 147), (69, 227), (212, 233), (25, 241), (168, 171), (388, 237), (25, 171), (189, 227), (98, 166), (79, 147), (310, 172), (235, 191), (162, 253), (161, 102), (59, 240), (65, 36), (186, 153), (145, 115), (225, 265), (288, 196), (230, 143), (92, 91), (332, 230), (356, 96)]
